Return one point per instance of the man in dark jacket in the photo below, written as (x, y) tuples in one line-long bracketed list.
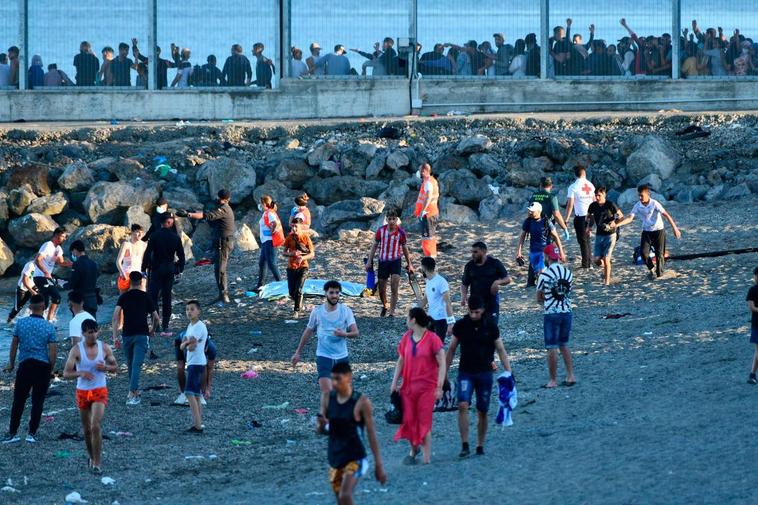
[(237, 70), (84, 273), (163, 259)]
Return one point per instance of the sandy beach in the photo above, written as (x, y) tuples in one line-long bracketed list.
[(661, 412)]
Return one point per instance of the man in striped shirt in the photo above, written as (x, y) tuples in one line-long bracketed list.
[(389, 243)]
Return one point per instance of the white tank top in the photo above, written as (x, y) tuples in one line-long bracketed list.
[(133, 254), (88, 365)]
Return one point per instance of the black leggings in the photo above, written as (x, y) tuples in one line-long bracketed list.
[(656, 239), (295, 281), (161, 280), (32, 375), (21, 298), (585, 244)]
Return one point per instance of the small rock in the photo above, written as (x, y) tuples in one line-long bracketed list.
[(76, 177), (20, 198), (49, 205)]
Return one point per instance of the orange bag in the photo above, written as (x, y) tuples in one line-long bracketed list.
[(122, 283)]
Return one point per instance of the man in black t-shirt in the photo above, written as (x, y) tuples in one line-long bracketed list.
[(121, 66), (479, 338), (134, 307), (485, 275), (752, 305), (86, 64), (603, 212)]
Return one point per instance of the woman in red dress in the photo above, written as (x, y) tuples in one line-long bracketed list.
[(421, 363)]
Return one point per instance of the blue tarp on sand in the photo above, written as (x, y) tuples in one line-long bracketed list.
[(312, 287)]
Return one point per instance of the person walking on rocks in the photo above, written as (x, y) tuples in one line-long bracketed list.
[(390, 242), (84, 274), (580, 195), (554, 294), (540, 230), (162, 265), (298, 247), (421, 364), (76, 304), (25, 289), (752, 306), (48, 257), (653, 233), (34, 341), (485, 276), (195, 338), (427, 211), (349, 414), (333, 323), (479, 338), (88, 361), (130, 257), (222, 221), (271, 236), (602, 212), (134, 307)]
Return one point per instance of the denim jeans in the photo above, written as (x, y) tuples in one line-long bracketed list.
[(135, 348), (267, 259)]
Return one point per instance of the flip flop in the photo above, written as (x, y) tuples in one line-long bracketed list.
[(568, 384), (545, 386)]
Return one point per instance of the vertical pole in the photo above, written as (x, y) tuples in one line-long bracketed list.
[(676, 22), (23, 42), (413, 36), (544, 37), (285, 37), (152, 43)]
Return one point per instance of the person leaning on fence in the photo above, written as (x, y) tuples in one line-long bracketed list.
[(298, 67), (121, 66), (237, 70), (86, 64), (264, 67)]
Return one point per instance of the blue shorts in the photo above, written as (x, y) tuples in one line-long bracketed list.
[(537, 260), (754, 335), (324, 365), (194, 378), (604, 245), (557, 330), (481, 383)]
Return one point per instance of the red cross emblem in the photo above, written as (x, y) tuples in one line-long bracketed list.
[(586, 188)]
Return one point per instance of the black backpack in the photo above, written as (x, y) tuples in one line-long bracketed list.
[(395, 414)]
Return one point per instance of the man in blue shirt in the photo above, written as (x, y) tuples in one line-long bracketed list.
[(34, 341), (540, 229)]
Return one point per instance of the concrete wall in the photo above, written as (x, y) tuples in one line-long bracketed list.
[(479, 96), (295, 99)]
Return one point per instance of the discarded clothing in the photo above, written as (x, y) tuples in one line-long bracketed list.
[(508, 398)]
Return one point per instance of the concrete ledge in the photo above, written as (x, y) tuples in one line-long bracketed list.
[(483, 96), (295, 99)]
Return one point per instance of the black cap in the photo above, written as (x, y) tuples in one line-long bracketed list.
[(166, 216), (546, 182), (224, 194)]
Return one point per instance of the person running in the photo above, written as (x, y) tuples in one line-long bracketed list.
[(25, 289), (333, 323), (540, 230), (602, 212), (164, 245), (427, 211), (391, 242), (84, 274), (554, 293), (580, 195), (301, 210), (349, 414), (479, 338), (87, 362), (653, 232), (421, 364), (194, 341), (211, 352), (752, 306), (134, 307), (222, 221), (551, 210), (76, 304), (35, 342), (130, 257), (271, 237), (298, 247), (48, 257), (485, 276)]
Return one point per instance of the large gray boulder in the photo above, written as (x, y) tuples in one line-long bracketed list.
[(628, 198), (328, 168), (107, 202), (490, 208), (51, 205), (475, 144), (244, 239), (377, 164), (396, 195), (539, 164), (457, 214), (183, 198), (484, 164), (6, 257), (127, 170), (524, 174), (34, 174), (558, 149), (344, 187), (31, 230), (102, 243), (355, 161), (76, 177), (464, 187), (292, 172), (362, 210), (652, 156), (136, 215), (20, 198), (397, 160), (321, 153), (4, 213), (281, 194), (227, 173)]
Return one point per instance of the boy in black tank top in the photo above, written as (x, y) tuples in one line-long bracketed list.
[(348, 413)]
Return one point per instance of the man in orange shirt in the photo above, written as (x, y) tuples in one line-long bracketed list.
[(427, 210), (298, 248)]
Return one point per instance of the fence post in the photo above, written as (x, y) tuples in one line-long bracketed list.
[(544, 37), (23, 43), (413, 36), (285, 38), (676, 28), (152, 43)]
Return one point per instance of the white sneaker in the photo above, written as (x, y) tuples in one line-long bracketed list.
[(202, 401), (30, 438), (134, 400), (181, 399)]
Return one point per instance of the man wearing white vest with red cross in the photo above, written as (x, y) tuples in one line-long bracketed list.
[(580, 195), (427, 210)]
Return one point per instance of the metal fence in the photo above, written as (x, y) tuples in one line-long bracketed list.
[(158, 44)]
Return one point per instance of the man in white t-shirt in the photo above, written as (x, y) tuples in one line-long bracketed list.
[(25, 289), (76, 304), (50, 255), (194, 342), (653, 233), (580, 195), (332, 323)]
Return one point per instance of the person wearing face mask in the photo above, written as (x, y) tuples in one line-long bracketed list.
[(271, 236), (161, 207), (84, 273), (427, 211)]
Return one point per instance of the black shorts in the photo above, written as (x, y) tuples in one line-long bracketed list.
[(429, 226), (47, 289), (387, 268)]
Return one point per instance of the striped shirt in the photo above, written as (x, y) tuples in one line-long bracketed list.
[(390, 243)]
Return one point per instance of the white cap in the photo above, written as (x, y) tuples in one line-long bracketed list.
[(535, 207)]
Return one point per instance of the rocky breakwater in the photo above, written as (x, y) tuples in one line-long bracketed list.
[(97, 181)]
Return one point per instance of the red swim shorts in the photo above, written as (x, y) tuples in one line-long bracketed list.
[(86, 397)]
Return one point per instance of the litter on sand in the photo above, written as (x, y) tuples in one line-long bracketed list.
[(122, 433), (312, 287), (251, 425), (75, 497), (617, 316), (70, 436), (302, 411), (238, 443), (290, 321), (281, 406), (107, 481), (9, 489), (250, 374)]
